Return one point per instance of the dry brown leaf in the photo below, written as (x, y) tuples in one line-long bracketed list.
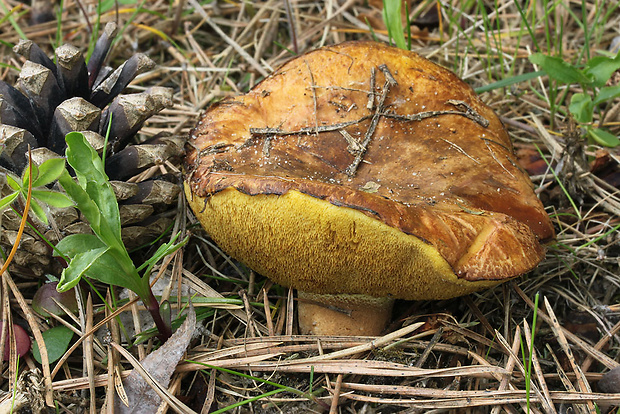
[(159, 365)]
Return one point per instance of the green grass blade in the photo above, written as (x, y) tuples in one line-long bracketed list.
[(528, 372), (509, 81), (557, 179), (611, 231), (393, 22), (249, 400), (528, 26), (9, 15)]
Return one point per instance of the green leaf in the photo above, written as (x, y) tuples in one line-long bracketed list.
[(603, 137), (581, 107), (13, 183), (26, 174), (74, 244), (103, 195), (5, 201), (38, 210), (112, 267), (607, 94), (49, 171), (87, 206), (163, 251), (84, 159), (57, 342), (79, 265), (600, 69), (96, 200), (92, 178), (559, 70), (52, 198), (116, 268)]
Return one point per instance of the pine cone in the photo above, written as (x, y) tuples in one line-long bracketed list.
[(53, 99)]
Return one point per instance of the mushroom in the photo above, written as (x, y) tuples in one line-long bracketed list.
[(361, 173)]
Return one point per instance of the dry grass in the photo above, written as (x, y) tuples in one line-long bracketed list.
[(463, 355)]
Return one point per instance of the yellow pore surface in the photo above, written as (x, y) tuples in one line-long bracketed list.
[(312, 245)]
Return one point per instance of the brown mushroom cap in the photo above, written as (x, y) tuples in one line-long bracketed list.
[(365, 169)]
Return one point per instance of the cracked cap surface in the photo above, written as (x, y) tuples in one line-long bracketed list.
[(374, 155)]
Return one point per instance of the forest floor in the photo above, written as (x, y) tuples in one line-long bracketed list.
[(539, 343)]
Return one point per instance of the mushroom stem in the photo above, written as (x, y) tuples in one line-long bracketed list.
[(342, 314)]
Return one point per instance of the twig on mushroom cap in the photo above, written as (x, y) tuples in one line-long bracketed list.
[(352, 169), (305, 130), (468, 112)]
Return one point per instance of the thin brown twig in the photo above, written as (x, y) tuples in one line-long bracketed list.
[(547, 402), (510, 364), (596, 354), (582, 382), (230, 41), (333, 409), (36, 332), (88, 355)]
